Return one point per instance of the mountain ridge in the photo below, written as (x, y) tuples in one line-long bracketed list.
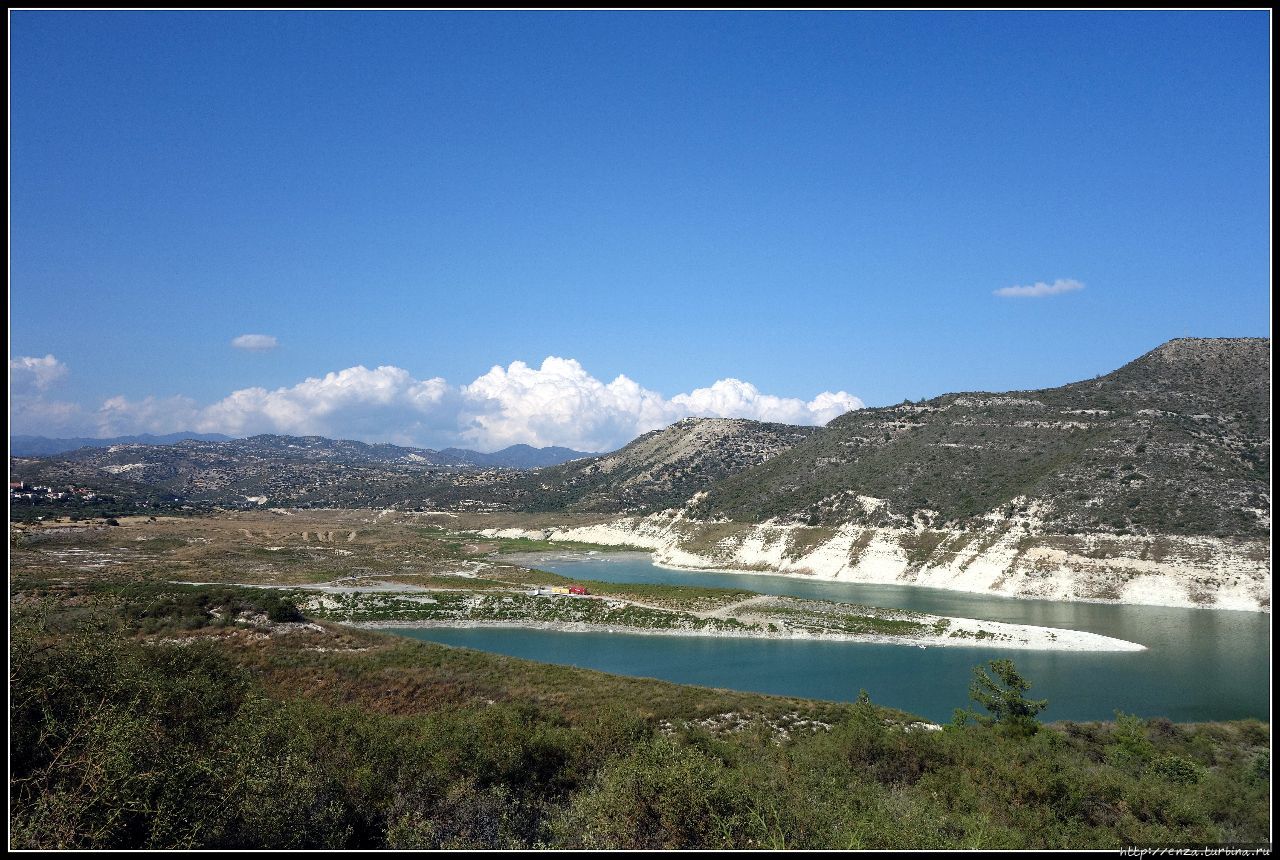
[(46, 446), (513, 456)]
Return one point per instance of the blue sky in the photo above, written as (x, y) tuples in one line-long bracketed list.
[(783, 204)]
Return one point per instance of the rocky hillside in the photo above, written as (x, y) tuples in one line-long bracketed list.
[(658, 470), (1175, 442), (663, 468), (999, 556)]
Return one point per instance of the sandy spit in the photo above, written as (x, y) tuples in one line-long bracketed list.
[(1030, 638)]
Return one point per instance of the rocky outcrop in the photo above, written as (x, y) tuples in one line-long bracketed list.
[(1004, 558)]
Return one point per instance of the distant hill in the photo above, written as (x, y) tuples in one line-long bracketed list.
[(285, 470), (1176, 441), (512, 457), (516, 456), (43, 446)]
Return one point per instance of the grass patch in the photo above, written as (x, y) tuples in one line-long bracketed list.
[(804, 540), (920, 546)]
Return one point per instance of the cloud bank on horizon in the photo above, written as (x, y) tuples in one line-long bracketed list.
[(1040, 289), (558, 403)]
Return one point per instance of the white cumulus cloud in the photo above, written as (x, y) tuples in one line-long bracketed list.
[(27, 373), (733, 398), (357, 402), (255, 342), (556, 403), (561, 404), (1040, 288)]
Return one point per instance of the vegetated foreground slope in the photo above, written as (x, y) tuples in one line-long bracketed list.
[(1175, 442), (230, 737), (152, 714)]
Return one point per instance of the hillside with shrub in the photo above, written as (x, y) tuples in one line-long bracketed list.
[(1175, 442)]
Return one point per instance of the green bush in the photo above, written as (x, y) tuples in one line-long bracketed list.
[(280, 610), (115, 746), (1130, 748), (662, 795), (1176, 769)]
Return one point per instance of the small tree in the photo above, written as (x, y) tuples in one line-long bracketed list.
[(1130, 747), (1003, 696)]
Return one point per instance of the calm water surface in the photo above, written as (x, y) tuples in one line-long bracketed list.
[(1200, 664)]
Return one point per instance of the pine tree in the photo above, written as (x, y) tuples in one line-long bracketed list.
[(1003, 696)]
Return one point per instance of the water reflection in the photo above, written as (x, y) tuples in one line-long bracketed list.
[(1200, 664)]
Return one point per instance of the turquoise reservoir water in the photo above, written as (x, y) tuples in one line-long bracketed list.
[(1200, 664)]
